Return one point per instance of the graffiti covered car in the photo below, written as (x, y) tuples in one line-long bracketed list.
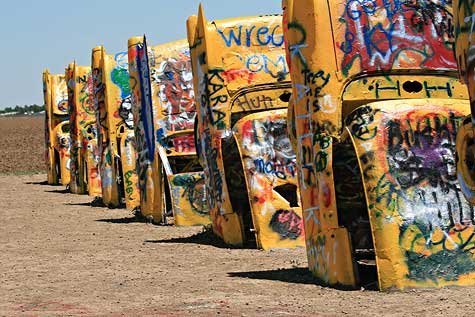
[(377, 106), (84, 168), (170, 177), (57, 138), (116, 150), (242, 88)]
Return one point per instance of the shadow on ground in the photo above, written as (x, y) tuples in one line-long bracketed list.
[(40, 183), (97, 202), (299, 275), (206, 237), (59, 191), (124, 220)]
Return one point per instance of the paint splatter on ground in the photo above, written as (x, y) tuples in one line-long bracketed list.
[(60, 256)]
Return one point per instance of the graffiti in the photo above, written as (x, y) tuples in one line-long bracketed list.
[(420, 187), (101, 116), (381, 35), (321, 253), (274, 66), (194, 191), (321, 154), (144, 120), (214, 179), (146, 111), (184, 144), (260, 102), (359, 120), (120, 77), (267, 142), (129, 184), (86, 93), (300, 43), (313, 84), (84, 148), (216, 94), (236, 74), (270, 167), (287, 224), (245, 158), (173, 79), (248, 36), (61, 95), (125, 112)]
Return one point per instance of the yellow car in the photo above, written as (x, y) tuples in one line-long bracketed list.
[(242, 88), (170, 177), (377, 106), (85, 177), (56, 128), (115, 124)]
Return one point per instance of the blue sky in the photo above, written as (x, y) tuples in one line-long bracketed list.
[(52, 33)]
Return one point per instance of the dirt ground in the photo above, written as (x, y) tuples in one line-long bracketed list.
[(60, 256), (22, 144)]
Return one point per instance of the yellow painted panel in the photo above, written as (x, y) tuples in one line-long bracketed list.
[(165, 122), (62, 146), (56, 124), (270, 162), (127, 159), (149, 169), (84, 150), (74, 134), (118, 123), (188, 199), (49, 153), (233, 60), (327, 253), (109, 190), (422, 226)]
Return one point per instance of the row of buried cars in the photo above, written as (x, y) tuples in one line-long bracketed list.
[(343, 126)]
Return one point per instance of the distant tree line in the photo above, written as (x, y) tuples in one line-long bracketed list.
[(23, 109)]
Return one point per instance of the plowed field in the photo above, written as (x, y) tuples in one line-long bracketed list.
[(22, 145)]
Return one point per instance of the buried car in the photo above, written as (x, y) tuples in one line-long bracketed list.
[(377, 106)]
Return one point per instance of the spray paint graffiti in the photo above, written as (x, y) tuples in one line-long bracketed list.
[(419, 190), (193, 191), (57, 139), (241, 69), (269, 166), (165, 90), (376, 45), (383, 35), (173, 80), (248, 35), (143, 126), (120, 77), (287, 224), (172, 86), (84, 147)]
